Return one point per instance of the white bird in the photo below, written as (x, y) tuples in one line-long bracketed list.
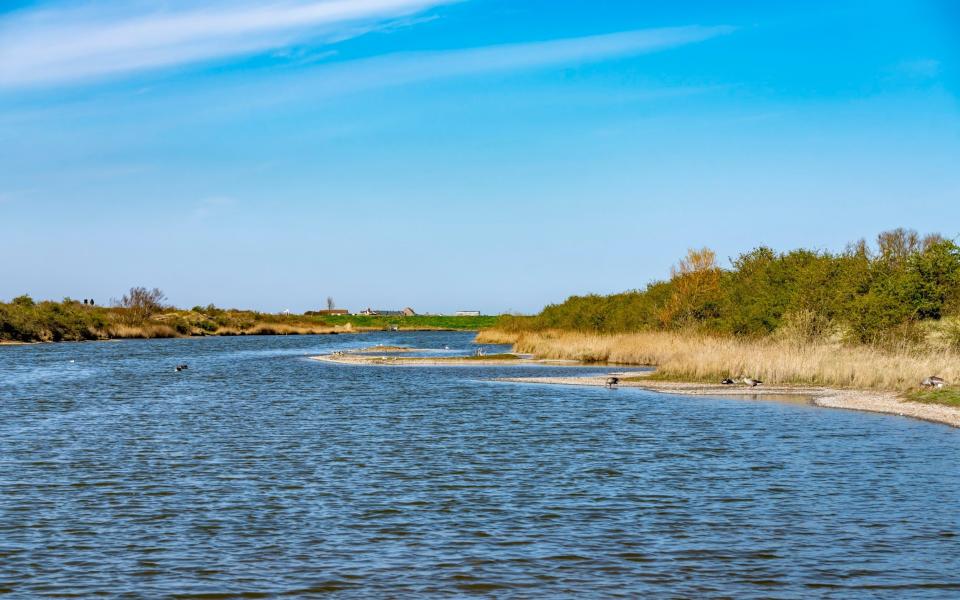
[(751, 382)]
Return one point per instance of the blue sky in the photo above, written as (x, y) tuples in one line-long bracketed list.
[(477, 154)]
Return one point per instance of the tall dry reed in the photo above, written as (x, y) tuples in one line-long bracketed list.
[(697, 357), (144, 331)]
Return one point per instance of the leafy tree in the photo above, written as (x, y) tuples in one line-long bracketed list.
[(934, 279), (696, 291)]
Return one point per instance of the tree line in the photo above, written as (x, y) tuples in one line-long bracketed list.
[(866, 294)]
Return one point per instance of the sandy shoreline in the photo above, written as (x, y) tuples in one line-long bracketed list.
[(861, 400), (847, 399), (354, 358)]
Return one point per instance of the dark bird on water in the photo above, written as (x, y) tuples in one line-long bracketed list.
[(182, 368), (612, 381), (727, 381)]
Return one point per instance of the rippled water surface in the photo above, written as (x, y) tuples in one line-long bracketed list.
[(260, 473)]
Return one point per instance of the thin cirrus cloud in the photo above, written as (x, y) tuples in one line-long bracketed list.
[(335, 79), (402, 68), (48, 46)]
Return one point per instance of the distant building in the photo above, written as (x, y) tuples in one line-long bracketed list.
[(379, 312), (467, 313), (327, 312)]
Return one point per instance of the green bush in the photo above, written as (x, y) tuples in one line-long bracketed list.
[(876, 297)]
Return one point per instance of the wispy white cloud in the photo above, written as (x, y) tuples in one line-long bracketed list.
[(226, 95), (53, 46), (352, 76), (398, 68)]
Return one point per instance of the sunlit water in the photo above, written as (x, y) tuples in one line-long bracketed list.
[(260, 473)]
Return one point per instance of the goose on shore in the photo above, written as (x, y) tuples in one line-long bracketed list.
[(751, 382), (934, 382), (727, 381), (612, 381)]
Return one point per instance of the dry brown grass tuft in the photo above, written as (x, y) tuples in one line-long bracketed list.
[(146, 331), (697, 357), (278, 329), (496, 336)]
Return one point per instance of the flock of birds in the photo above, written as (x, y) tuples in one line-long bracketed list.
[(929, 382), (613, 380)]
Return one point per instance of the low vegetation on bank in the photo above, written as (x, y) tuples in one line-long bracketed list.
[(689, 356), (881, 317), (143, 313), (947, 396)]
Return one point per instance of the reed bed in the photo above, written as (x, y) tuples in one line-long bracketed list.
[(276, 329), (698, 357), (145, 331)]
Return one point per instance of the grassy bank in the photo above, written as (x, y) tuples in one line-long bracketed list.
[(24, 320), (946, 396), (699, 357), (880, 317)]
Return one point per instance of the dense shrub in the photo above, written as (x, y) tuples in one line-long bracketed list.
[(207, 325), (871, 296)]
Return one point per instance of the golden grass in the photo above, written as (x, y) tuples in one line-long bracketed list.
[(496, 336), (698, 357), (278, 329), (145, 331)]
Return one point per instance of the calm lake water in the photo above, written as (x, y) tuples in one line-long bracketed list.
[(260, 473)]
